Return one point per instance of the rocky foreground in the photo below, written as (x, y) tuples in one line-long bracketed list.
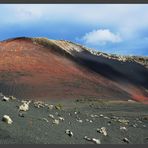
[(72, 122)]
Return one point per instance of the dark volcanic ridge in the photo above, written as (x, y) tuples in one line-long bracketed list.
[(38, 68)]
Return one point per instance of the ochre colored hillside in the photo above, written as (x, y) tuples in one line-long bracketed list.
[(48, 69)]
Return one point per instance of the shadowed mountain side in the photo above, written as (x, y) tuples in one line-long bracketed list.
[(38, 68), (126, 72)]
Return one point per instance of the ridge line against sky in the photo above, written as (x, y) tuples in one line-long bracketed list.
[(111, 28)]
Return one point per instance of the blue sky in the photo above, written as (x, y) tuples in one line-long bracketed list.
[(111, 28)]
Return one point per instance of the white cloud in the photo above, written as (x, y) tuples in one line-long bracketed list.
[(101, 36), (127, 19)]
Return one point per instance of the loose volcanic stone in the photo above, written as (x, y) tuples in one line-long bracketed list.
[(69, 133), (55, 121), (102, 130), (7, 119), (94, 140), (5, 98), (126, 140)]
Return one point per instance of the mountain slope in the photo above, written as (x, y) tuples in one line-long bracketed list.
[(39, 68)]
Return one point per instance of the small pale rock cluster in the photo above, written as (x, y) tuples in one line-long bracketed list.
[(102, 130), (51, 116), (61, 118), (12, 97), (79, 120), (4, 98), (7, 119), (88, 120), (55, 121), (126, 122), (69, 133), (123, 128), (25, 106), (39, 104), (94, 116), (50, 107), (94, 140)]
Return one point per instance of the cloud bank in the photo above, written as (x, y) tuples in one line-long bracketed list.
[(109, 27)]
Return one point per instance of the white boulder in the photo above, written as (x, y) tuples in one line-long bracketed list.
[(61, 118), (24, 106), (102, 130), (50, 107), (51, 116), (7, 119), (123, 128), (55, 121), (94, 140), (69, 133), (5, 98)]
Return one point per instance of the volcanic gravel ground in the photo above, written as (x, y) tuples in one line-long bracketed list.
[(81, 117)]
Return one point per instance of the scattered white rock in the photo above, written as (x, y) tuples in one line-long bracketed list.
[(87, 138), (90, 121), (39, 104), (124, 121), (55, 121), (97, 141), (75, 113), (126, 140), (24, 106), (79, 120), (7, 119), (61, 118), (123, 128), (69, 133), (105, 117), (92, 116), (101, 115), (45, 120), (87, 120), (139, 121), (51, 116), (5, 98), (12, 97), (50, 107), (46, 104), (27, 102), (95, 115), (94, 140), (102, 130), (135, 125)]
